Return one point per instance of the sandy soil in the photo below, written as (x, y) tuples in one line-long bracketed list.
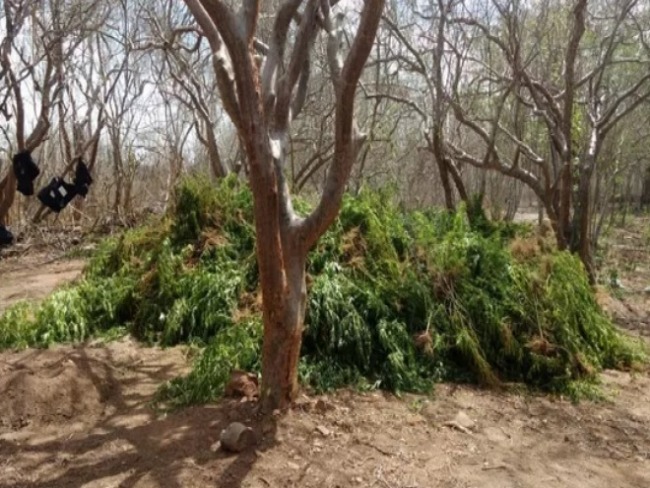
[(80, 416), (34, 276), (627, 256)]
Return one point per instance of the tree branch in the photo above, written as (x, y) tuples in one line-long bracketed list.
[(346, 141)]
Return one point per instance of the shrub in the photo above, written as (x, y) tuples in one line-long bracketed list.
[(397, 300)]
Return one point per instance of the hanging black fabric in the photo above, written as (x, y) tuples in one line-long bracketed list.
[(26, 172), (57, 194), (6, 237), (82, 178)]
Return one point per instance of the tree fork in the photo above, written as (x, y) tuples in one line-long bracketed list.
[(262, 100)]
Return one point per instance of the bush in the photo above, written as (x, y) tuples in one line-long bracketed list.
[(397, 300)]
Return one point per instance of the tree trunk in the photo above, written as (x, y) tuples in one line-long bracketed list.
[(446, 170), (78, 205), (553, 209), (172, 180), (564, 214), (645, 191), (446, 184), (118, 175), (581, 242), (283, 337), (458, 181), (551, 213), (218, 166), (283, 239), (7, 196)]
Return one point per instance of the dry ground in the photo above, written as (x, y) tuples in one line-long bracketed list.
[(81, 417), (627, 255), (34, 276)]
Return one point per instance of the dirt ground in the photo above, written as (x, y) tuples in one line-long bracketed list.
[(627, 258), (33, 277), (81, 417)]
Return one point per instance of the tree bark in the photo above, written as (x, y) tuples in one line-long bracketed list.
[(283, 338), (218, 167), (581, 242), (7, 196), (262, 109), (645, 191), (458, 181), (446, 183), (118, 174), (565, 197)]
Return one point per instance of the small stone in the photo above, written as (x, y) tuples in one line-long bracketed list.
[(292, 465), (325, 432), (237, 437), (216, 446), (646, 290), (463, 420)]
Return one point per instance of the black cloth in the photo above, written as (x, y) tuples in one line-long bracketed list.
[(6, 237), (26, 172), (57, 194), (82, 178)]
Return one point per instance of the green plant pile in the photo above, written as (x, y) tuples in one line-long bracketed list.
[(397, 300)]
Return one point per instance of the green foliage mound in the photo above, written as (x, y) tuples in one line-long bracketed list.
[(397, 300)]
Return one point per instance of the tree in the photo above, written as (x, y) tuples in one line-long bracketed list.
[(181, 51), (262, 99), (417, 48), (32, 66), (88, 86), (570, 86)]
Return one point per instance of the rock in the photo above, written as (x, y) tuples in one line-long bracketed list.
[(216, 446), (242, 384), (237, 437), (646, 290), (461, 422), (323, 430), (294, 466)]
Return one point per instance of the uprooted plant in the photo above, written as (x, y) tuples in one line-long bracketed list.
[(397, 300)]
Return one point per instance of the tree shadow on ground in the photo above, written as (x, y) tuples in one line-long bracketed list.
[(133, 443)]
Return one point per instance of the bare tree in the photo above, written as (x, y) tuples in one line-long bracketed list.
[(36, 68), (575, 109), (87, 89), (186, 74), (417, 46), (262, 99)]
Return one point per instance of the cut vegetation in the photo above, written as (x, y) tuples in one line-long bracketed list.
[(397, 300)]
